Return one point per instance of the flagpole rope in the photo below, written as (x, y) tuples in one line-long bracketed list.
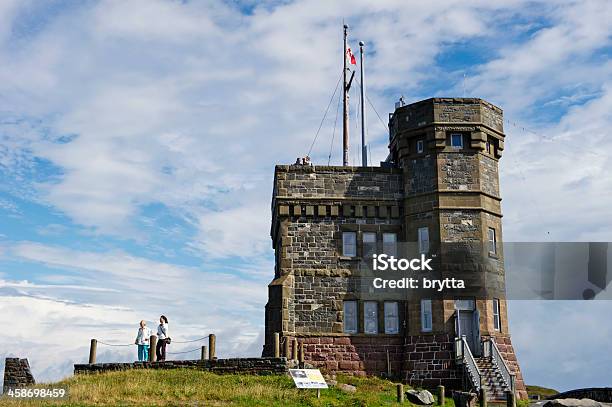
[(114, 344), (324, 115), (193, 340), (132, 344), (186, 351), (373, 108), (331, 146)]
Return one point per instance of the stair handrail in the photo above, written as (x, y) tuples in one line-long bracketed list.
[(465, 357), (498, 360)]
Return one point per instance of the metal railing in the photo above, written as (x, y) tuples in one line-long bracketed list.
[(465, 358), (491, 351)]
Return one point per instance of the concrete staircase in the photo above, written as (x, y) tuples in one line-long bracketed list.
[(492, 380)]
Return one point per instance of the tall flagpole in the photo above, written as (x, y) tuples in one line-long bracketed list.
[(364, 151), (345, 123)]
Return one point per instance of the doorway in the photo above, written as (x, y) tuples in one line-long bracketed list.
[(468, 325)]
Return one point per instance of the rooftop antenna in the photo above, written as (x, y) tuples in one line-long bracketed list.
[(364, 152)]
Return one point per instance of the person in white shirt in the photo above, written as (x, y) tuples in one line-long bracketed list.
[(162, 338), (142, 340)]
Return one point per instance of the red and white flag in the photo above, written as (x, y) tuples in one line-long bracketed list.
[(350, 56)]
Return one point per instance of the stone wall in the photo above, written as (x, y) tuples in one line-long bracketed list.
[(429, 362), (17, 374), (258, 366), (458, 171), (312, 206), (303, 181), (356, 355), (489, 175), (420, 360), (507, 351), (422, 177)]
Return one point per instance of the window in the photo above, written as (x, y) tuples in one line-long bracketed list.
[(369, 244), (391, 318), (390, 244), (370, 317), (426, 315), (350, 317), (349, 244), (488, 147), (492, 241), (423, 240), (419, 146), (496, 320), (465, 305), (457, 140)]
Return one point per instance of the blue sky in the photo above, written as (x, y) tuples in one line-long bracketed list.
[(138, 141)]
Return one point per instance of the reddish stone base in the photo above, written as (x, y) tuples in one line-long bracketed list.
[(357, 355), (423, 361), (505, 348), (420, 360)]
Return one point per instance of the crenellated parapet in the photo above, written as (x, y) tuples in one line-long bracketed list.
[(432, 120)]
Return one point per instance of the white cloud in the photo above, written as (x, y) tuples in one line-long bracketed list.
[(178, 123), (144, 280), (108, 294), (562, 344)]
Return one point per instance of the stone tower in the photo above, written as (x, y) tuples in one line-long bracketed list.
[(439, 191)]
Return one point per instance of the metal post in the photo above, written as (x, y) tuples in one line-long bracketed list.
[(441, 396), (400, 393), (388, 365), (510, 399), (212, 347), (345, 120), (152, 348), (286, 349), (204, 354), (483, 394), (93, 346), (276, 345), (294, 349), (364, 150)]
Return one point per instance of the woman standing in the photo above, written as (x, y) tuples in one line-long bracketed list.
[(142, 340), (162, 338)]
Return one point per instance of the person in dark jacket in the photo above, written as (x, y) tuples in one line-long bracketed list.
[(162, 338)]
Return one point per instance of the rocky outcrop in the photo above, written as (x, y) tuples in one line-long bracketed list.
[(601, 394), (420, 397), (347, 388), (572, 403), (465, 399)]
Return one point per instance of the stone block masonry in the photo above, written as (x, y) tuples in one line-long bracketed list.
[(17, 374), (439, 187), (255, 366)]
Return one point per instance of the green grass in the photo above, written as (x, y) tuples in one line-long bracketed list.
[(542, 391), (197, 388)]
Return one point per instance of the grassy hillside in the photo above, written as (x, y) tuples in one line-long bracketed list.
[(542, 391), (191, 387)]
